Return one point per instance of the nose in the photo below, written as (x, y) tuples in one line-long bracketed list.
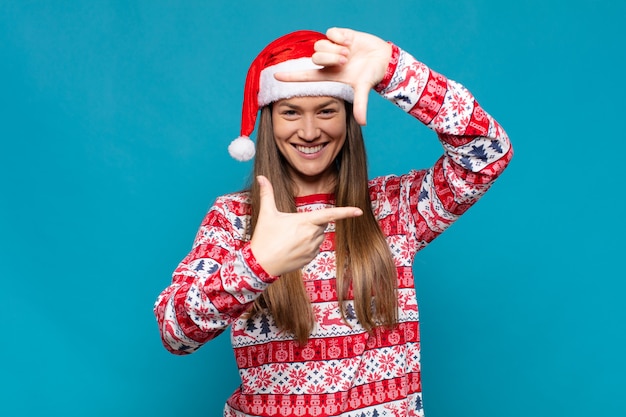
[(309, 130)]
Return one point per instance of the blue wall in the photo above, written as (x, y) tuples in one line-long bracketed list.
[(114, 122)]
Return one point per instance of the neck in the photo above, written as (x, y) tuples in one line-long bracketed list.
[(320, 184)]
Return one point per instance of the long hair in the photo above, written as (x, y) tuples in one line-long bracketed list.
[(363, 259)]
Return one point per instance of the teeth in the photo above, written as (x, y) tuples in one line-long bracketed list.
[(309, 149)]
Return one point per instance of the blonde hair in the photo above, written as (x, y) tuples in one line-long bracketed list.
[(364, 261)]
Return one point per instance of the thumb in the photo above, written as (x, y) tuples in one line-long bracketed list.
[(266, 193), (361, 94)]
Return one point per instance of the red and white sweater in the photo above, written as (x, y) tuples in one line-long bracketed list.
[(343, 370)]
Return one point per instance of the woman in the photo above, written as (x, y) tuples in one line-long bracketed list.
[(312, 267)]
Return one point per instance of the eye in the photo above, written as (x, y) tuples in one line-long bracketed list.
[(328, 112), (289, 114)]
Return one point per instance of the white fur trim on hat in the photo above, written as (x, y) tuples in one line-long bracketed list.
[(242, 149), (271, 90)]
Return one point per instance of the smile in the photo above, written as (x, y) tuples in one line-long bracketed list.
[(309, 150)]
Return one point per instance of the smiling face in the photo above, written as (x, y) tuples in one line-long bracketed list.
[(309, 132)]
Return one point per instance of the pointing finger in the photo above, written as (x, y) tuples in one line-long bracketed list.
[(307, 75), (322, 217)]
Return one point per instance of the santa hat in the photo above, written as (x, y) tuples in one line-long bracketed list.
[(291, 52)]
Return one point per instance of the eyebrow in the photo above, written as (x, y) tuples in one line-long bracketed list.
[(330, 101)]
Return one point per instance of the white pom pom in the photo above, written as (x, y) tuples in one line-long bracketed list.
[(242, 149)]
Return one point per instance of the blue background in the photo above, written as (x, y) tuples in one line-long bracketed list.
[(115, 117)]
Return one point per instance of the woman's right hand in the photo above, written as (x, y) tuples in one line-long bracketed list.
[(285, 242)]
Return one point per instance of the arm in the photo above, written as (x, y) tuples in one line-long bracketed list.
[(214, 284), (221, 276), (476, 148)]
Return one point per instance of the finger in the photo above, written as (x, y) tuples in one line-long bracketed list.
[(327, 46), (324, 216), (306, 75), (341, 36), (327, 59), (266, 193), (361, 94)]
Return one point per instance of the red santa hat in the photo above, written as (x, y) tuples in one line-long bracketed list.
[(291, 52)]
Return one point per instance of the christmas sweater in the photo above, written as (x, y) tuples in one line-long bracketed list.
[(343, 370)]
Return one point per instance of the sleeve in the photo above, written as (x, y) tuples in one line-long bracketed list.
[(213, 285), (476, 148)]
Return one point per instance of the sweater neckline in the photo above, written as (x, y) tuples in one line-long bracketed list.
[(306, 200)]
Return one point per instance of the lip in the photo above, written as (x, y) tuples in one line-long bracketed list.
[(309, 151)]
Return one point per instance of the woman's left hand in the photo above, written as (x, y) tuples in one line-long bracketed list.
[(355, 58)]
